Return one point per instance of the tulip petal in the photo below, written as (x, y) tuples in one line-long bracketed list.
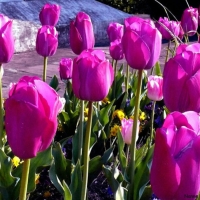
[(136, 51), (18, 125), (165, 173)]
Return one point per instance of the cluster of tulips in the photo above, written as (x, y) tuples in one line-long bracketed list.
[(168, 164)]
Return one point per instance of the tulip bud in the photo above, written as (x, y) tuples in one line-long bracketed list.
[(81, 33), (127, 129), (115, 31), (6, 39), (92, 75), (116, 51), (140, 51), (31, 116), (189, 21), (65, 69), (154, 88), (49, 14), (47, 41)]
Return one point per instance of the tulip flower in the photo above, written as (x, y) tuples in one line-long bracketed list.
[(168, 29), (126, 130), (81, 33), (47, 41), (154, 88), (65, 69), (92, 75), (189, 21), (31, 116), (176, 161), (115, 31), (181, 80), (116, 51), (141, 43), (6, 39), (49, 14)]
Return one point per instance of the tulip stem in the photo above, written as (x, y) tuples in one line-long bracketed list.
[(86, 153), (152, 121), (24, 179), (167, 55), (131, 191), (45, 69), (81, 131), (127, 77), (114, 82), (1, 108)]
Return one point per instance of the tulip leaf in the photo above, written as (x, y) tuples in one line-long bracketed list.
[(76, 182), (157, 69), (147, 193), (54, 83), (107, 155), (67, 192)]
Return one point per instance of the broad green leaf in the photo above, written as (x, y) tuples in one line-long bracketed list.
[(54, 83), (67, 192)]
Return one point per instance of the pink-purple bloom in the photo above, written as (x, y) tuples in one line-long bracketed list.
[(81, 33), (141, 43), (47, 41), (65, 68), (49, 14), (92, 75), (181, 79), (155, 88), (31, 116), (116, 51), (176, 160), (115, 31), (6, 39)]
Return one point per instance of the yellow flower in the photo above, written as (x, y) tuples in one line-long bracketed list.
[(114, 129), (37, 177), (15, 161), (105, 100), (86, 114), (118, 113), (142, 116), (46, 194)]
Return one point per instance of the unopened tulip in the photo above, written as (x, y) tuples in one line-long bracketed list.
[(141, 43), (127, 129), (116, 51), (81, 33), (181, 80), (65, 68), (115, 31), (92, 75), (6, 39), (49, 14), (176, 161), (189, 21), (47, 41), (154, 88), (168, 29), (31, 116)]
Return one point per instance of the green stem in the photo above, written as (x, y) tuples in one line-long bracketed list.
[(134, 135), (114, 82), (81, 130), (45, 69), (86, 153), (24, 179), (152, 120), (127, 77), (167, 55), (1, 108), (127, 154)]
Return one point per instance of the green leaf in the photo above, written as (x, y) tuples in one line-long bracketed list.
[(54, 83), (107, 155), (147, 193), (67, 192), (157, 69)]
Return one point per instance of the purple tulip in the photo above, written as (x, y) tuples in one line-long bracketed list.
[(154, 88), (47, 41), (81, 33), (6, 39), (127, 129), (116, 51), (189, 21), (168, 29), (31, 116), (92, 75), (65, 69), (115, 31), (176, 161), (181, 80), (49, 14), (141, 43)]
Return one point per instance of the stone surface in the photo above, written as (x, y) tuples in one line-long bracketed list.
[(26, 20)]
